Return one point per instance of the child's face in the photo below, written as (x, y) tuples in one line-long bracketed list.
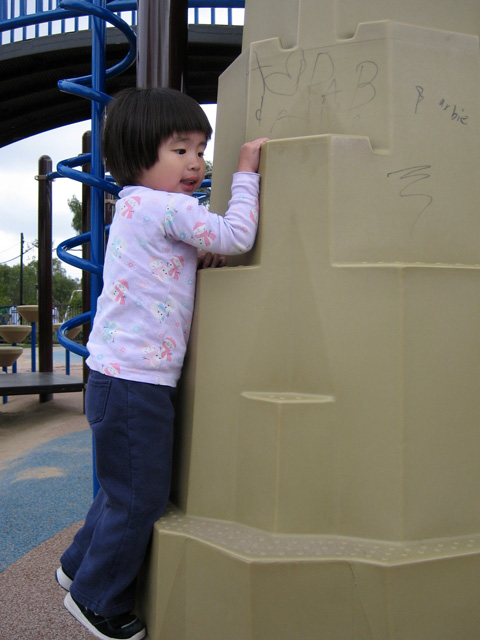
[(180, 167)]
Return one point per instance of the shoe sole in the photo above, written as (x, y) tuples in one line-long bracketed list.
[(63, 580), (71, 607)]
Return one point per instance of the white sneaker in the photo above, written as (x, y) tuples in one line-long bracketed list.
[(63, 580)]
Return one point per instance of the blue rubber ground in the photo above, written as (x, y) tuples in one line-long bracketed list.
[(43, 492)]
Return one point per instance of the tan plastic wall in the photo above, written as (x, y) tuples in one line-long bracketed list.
[(354, 232), (327, 483), (310, 23), (352, 378)]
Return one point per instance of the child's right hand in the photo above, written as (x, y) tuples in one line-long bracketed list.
[(250, 155)]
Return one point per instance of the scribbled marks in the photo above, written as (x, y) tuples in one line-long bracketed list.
[(452, 110), (365, 91), (312, 86), (282, 83), (420, 96), (412, 176)]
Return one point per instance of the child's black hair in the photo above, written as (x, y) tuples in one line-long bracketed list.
[(138, 121)]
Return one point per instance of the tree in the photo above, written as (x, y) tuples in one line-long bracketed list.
[(62, 285), (75, 207), (10, 284)]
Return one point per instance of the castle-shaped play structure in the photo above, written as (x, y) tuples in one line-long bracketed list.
[(327, 484)]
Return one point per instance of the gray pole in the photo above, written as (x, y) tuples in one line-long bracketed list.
[(21, 268), (45, 289), (162, 43)]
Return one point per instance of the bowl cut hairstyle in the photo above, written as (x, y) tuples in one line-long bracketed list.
[(138, 121)]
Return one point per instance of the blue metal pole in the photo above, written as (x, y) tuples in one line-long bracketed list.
[(97, 197), (33, 344), (97, 194)]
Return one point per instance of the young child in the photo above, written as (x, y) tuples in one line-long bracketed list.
[(154, 142)]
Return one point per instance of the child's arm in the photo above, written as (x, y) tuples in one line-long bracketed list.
[(249, 159), (232, 233)]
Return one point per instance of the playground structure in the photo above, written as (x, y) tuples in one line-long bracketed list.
[(91, 88), (30, 64), (44, 382), (327, 481)]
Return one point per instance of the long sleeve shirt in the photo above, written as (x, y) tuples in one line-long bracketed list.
[(144, 313)]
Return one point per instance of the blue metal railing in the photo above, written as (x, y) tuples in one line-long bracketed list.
[(35, 18), (23, 19)]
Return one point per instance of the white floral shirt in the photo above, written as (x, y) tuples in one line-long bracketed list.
[(144, 313)]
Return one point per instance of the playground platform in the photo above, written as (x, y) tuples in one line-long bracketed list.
[(57, 381)]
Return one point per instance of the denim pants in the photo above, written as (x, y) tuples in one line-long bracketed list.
[(132, 424)]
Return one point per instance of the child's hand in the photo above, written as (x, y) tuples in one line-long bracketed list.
[(208, 260), (250, 155)]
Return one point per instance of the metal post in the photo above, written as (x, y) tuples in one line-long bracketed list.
[(97, 243), (96, 194), (21, 269), (162, 43), (33, 346), (86, 253), (45, 290)]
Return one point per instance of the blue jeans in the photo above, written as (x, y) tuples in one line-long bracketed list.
[(132, 424)]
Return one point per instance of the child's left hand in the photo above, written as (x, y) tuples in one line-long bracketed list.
[(208, 260)]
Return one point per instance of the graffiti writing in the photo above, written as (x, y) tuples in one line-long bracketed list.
[(412, 176), (311, 86)]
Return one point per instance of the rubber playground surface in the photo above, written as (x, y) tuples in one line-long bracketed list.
[(45, 491)]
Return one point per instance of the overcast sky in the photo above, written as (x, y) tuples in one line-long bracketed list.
[(19, 189)]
